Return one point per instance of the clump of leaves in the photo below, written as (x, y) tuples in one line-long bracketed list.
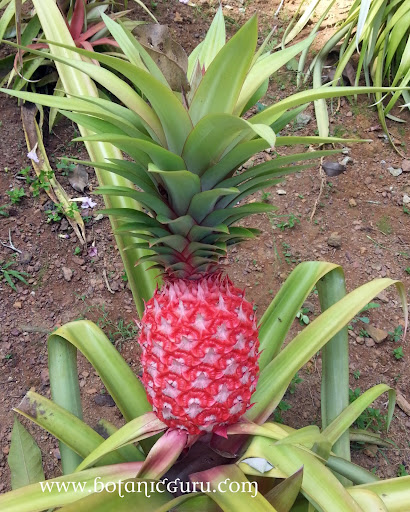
[(3, 211), (289, 222), (396, 334), (16, 194), (9, 275), (398, 353), (302, 316)]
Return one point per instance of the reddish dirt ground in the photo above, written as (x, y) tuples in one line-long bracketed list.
[(363, 206)]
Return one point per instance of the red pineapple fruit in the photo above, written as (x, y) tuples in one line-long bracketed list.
[(200, 353)]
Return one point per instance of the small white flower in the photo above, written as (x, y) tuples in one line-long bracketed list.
[(33, 155), (87, 202), (183, 1)]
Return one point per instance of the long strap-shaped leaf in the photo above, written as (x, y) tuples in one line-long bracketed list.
[(270, 114), (63, 425), (264, 68), (141, 280), (137, 429), (319, 485), (276, 376), (56, 492), (281, 312), (239, 498), (220, 86), (131, 495), (121, 383)]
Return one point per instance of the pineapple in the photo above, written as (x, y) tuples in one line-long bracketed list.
[(199, 352), (199, 335)]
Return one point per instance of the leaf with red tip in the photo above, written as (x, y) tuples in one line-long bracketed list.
[(77, 19), (163, 454)]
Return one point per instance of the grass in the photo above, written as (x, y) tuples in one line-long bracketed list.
[(384, 225), (118, 331), (371, 418), (398, 353), (11, 276), (16, 194)]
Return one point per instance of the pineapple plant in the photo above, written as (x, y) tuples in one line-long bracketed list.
[(208, 366)]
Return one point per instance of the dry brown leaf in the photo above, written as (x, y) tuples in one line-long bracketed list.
[(403, 403)]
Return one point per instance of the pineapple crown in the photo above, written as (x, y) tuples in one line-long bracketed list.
[(187, 147)]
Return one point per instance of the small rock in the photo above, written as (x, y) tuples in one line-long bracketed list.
[(334, 240), (405, 165), (281, 192), (17, 305), (395, 172), (302, 119), (377, 334), (369, 342), (67, 273), (56, 453), (91, 391), (309, 306), (382, 297), (368, 180), (5, 450), (352, 202), (45, 377), (370, 450), (406, 199), (349, 114), (78, 261), (25, 257), (346, 160), (15, 332), (360, 340), (104, 400)]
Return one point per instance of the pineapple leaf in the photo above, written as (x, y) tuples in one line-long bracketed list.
[(308, 342), (181, 186), (265, 67), (269, 115), (159, 156), (219, 88), (206, 51), (101, 125), (178, 226), (229, 162), (133, 49), (114, 84), (176, 123), (176, 242), (129, 213), (275, 166), (130, 170), (288, 116), (211, 137), (258, 94), (204, 202), (198, 233), (233, 214), (141, 227), (24, 458), (150, 202)]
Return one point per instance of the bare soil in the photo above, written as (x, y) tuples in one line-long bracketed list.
[(363, 206)]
